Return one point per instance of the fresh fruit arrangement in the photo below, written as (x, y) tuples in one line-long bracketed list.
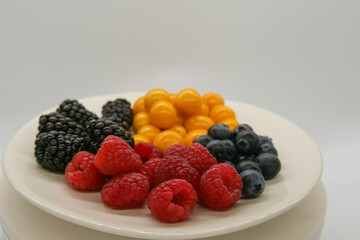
[(166, 151)]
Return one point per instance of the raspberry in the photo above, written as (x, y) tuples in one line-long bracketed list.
[(126, 191), (147, 151), (176, 167), (220, 187), (115, 156), (172, 201), (81, 173), (199, 158), (149, 170), (176, 149)]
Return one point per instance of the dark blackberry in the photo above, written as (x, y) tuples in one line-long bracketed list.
[(57, 121), (55, 149), (119, 111), (98, 130), (76, 111)]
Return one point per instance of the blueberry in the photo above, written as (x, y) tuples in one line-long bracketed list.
[(219, 131), (269, 165), (216, 148), (230, 163), (265, 139), (253, 183), (248, 164), (247, 142), (203, 140), (222, 150), (230, 150), (239, 158), (268, 148), (246, 157), (240, 128)]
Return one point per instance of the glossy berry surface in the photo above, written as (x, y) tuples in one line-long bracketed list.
[(247, 164), (140, 138), (162, 114), (198, 122), (126, 191), (230, 163), (269, 165), (254, 183), (139, 105), (220, 131), (265, 139), (230, 150), (247, 142), (222, 150), (191, 136), (172, 201), (212, 99), (240, 128), (179, 129), (203, 140), (141, 119), (230, 122), (155, 95), (166, 139), (220, 187), (149, 131), (81, 173), (204, 110), (221, 112), (188, 102), (267, 148)]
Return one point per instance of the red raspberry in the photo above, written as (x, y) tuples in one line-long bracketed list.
[(147, 151), (172, 201), (81, 173), (149, 170), (115, 156), (220, 187), (176, 167), (126, 191), (176, 149), (199, 158)]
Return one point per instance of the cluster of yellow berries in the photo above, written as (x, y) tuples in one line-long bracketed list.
[(165, 119)]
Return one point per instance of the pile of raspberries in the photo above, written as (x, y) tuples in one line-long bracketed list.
[(170, 183)]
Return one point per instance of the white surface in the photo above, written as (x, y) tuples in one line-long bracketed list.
[(299, 59), (51, 193), (304, 222)]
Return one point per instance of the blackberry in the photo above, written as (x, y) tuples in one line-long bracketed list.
[(119, 111), (76, 111), (98, 130), (55, 149), (57, 121)]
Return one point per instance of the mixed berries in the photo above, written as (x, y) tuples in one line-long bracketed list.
[(166, 151)]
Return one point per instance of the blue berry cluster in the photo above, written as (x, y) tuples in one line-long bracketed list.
[(254, 157)]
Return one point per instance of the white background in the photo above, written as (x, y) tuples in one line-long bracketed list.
[(299, 59)]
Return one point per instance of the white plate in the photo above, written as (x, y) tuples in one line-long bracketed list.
[(301, 170)]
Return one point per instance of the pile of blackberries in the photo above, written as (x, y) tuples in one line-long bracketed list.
[(73, 128)]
